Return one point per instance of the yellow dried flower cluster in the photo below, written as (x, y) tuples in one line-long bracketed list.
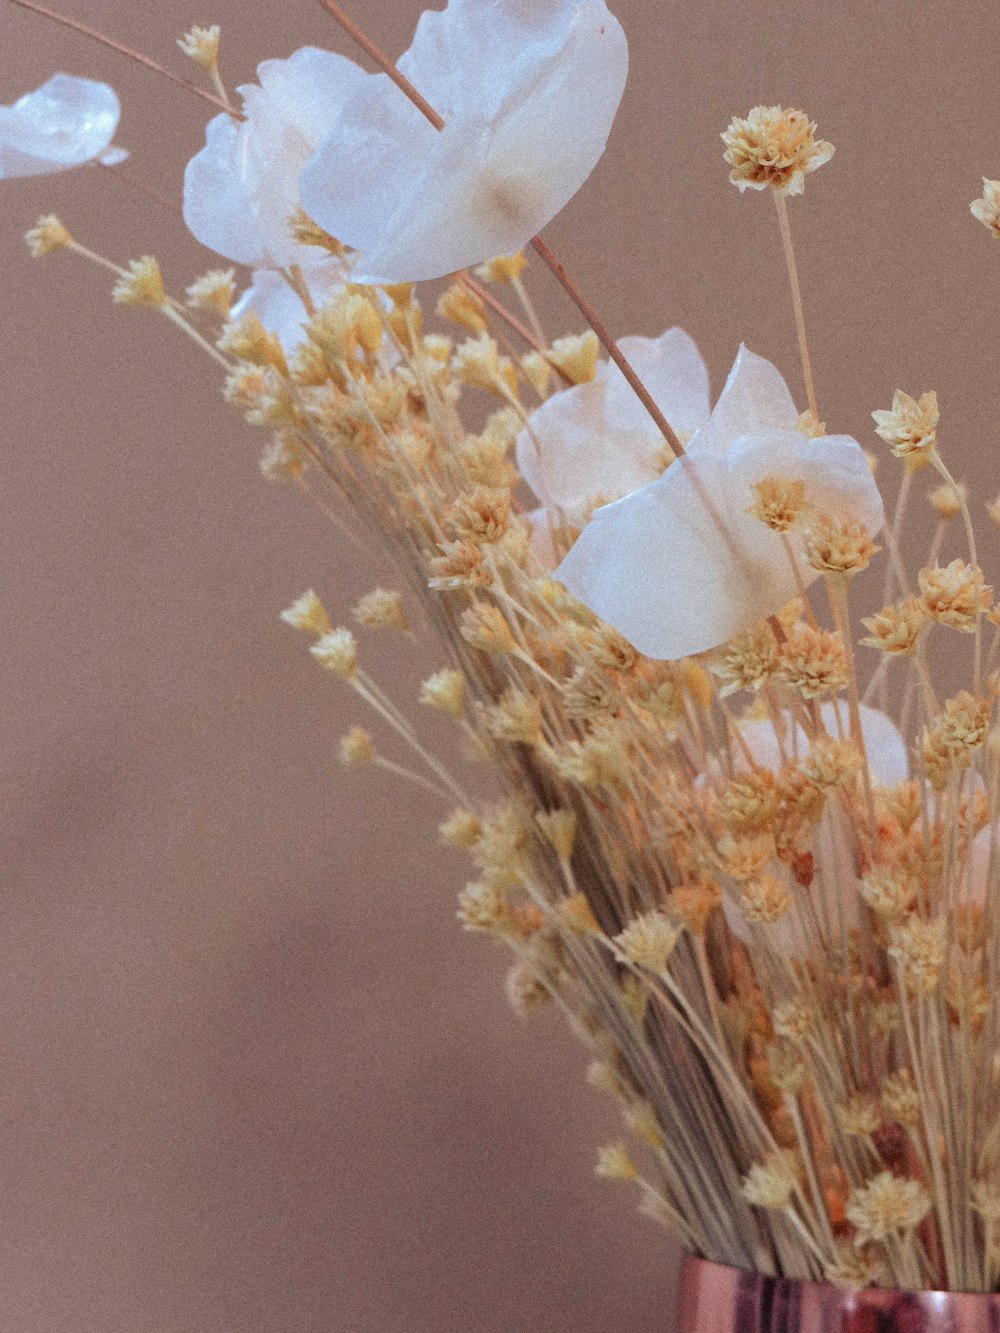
[(722, 833), (887, 1206), (758, 880)]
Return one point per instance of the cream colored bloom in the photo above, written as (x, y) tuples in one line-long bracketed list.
[(987, 209), (773, 148), (887, 1206), (910, 426)]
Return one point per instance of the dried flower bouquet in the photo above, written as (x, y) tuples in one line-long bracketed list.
[(763, 896)]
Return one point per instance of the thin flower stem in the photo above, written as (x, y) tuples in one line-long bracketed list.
[(176, 318), (960, 499), (134, 183), (95, 258), (418, 779), (529, 309), (96, 36), (221, 90), (569, 285), (380, 58), (793, 278), (498, 308), (538, 245)]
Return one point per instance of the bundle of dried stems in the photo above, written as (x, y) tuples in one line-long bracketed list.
[(767, 906)]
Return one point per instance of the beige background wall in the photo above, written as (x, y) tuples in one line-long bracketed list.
[(253, 1079)]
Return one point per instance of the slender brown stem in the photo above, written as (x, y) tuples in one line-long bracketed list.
[(541, 249), (611, 347), (793, 278), (382, 60), (134, 183), (124, 50), (499, 309)]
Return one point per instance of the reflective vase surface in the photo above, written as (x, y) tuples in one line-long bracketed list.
[(716, 1299)]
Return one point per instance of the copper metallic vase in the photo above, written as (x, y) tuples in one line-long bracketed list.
[(716, 1299)]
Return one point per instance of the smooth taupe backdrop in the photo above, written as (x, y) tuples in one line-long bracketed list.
[(253, 1079)]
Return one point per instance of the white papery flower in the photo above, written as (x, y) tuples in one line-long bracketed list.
[(280, 308), (888, 759), (242, 189), (528, 90), (64, 123), (597, 440), (984, 865), (888, 763), (681, 565)]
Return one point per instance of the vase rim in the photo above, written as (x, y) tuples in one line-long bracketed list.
[(719, 1298)]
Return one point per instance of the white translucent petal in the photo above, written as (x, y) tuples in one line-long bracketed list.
[(570, 451), (680, 566), (242, 188), (984, 866), (354, 183), (888, 759), (519, 144), (113, 156), (280, 309), (589, 441), (674, 372), (888, 756), (755, 399), (471, 55), (64, 123), (834, 468), (541, 524)]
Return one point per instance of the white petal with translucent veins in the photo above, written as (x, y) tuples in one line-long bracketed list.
[(888, 760), (680, 566), (528, 94), (64, 123), (280, 309), (597, 440), (241, 190)]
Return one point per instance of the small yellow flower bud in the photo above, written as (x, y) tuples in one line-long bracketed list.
[(307, 232), (461, 829), (576, 356), (356, 747), (504, 268), (337, 651), (214, 291), (910, 427), (537, 370), (382, 608), (202, 46), (444, 691), (478, 363), (614, 1162), (773, 148), (47, 237), (779, 502), (460, 305), (141, 285), (945, 502), (308, 614), (987, 209), (648, 941)]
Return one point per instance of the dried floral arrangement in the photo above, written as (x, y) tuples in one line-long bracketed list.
[(764, 896)]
